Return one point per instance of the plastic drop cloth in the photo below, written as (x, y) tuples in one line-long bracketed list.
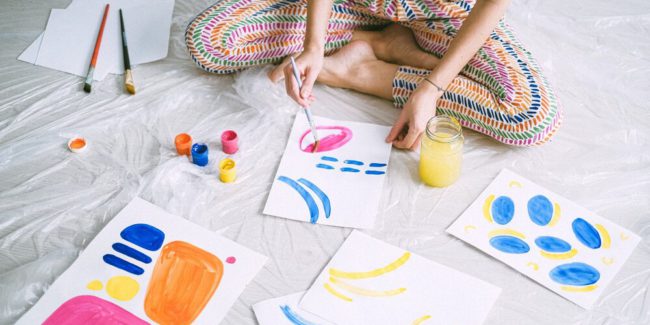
[(53, 202)]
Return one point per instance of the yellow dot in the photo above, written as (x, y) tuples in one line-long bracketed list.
[(122, 288), (95, 285)]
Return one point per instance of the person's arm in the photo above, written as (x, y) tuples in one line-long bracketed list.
[(475, 30), (310, 61)]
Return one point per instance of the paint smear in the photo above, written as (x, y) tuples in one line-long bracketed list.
[(373, 273), (309, 200), (335, 293), (586, 233), (132, 253), (506, 231), (487, 207), (509, 244), (184, 279), (514, 184), (552, 244), (556, 215), (293, 317), (83, 310), (575, 274), (328, 142), (503, 209), (579, 289), (95, 285), (607, 261), (421, 320), (122, 288), (365, 292), (231, 260), (540, 210), (604, 235), (374, 172), (121, 264), (324, 166), (321, 195), (377, 165), (144, 235), (353, 162), (559, 256), (534, 265), (349, 170), (328, 158)]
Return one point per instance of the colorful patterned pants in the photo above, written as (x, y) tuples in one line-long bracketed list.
[(501, 92)]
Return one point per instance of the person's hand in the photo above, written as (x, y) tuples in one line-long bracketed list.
[(309, 64), (412, 122)]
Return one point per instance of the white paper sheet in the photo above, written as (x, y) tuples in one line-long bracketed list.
[(186, 260), (285, 310), (545, 236), (371, 282), (349, 170)]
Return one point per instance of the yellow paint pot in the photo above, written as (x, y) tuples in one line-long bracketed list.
[(227, 170)]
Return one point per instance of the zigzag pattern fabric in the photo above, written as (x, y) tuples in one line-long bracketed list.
[(500, 92)]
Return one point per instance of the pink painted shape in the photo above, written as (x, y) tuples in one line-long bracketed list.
[(231, 260), (329, 142), (82, 310)]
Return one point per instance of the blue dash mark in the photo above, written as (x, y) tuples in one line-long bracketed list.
[(309, 200), (374, 172), (132, 253), (328, 158), (321, 195), (144, 235), (324, 166), (377, 165), (354, 162), (349, 170), (122, 264), (293, 317)]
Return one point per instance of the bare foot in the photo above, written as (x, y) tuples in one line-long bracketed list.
[(340, 68), (396, 44), (277, 73)]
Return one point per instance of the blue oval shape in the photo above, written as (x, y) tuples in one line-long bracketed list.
[(503, 209), (509, 244), (144, 235), (552, 244), (575, 274), (586, 233), (540, 210)]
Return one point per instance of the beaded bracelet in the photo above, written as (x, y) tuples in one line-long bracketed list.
[(437, 87)]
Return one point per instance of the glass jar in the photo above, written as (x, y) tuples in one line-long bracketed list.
[(441, 152)]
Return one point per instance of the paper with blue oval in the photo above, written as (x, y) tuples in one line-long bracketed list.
[(550, 239)]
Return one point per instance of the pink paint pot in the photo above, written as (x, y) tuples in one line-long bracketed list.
[(229, 142), (331, 138)]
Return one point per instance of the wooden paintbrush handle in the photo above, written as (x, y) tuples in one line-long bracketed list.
[(98, 43)]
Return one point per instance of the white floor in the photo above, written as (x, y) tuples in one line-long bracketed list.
[(53, 202)]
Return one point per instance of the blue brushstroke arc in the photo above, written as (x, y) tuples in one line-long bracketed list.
[(293, 317), (321, 195), (309, 200), (349, 170), (374, 172), (132, 253), (586, 233), (328, 158), (144, 235), (353, 162), (503, 209), (377, 165), (540, 210), (575, 274), (552, 244), (122, 264), (324, 166), (509, 244)]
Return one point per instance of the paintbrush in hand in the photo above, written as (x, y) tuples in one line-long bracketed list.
[(93, 61), (296, 75), (128, 77)]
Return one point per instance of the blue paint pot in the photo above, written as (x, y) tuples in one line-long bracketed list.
[(200, 154)]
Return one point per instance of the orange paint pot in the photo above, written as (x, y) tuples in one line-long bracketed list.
[(183, 281), (183, 143), (77, 144)]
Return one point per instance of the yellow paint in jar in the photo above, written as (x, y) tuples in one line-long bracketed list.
[(441, 152)]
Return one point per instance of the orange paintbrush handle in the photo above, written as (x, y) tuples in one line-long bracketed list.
[(93, 61)]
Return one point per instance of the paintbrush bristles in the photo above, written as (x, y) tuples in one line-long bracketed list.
[(128, 82), (315, 147)]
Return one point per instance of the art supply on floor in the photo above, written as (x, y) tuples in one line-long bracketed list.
[(296, 75), (227, 170), (441, 152), (200, 154), (98, 44), (229, 142), (183, 143), (77, 144), (128, 76)]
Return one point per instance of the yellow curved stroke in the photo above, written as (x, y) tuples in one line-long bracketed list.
[(365, 292), (514, 183), (470, 227), (604, 236), (534, 265), (374, 273), (336, 293), (486, 208), (421, 320), (579, 289), (607, 261), (559, 256), (507, 231), (556, 215)]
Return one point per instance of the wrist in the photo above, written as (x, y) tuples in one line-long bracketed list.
[(430, 88), (314, 47)]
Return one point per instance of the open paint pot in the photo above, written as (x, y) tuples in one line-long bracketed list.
[(183, 143), (77, 144), (227, 170), (200, 154), (229, 142)]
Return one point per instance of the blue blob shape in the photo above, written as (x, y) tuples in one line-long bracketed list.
[(132, 253), (374, 172), (293, 317), (552, 244), (503, 209), (540, 210), (321, 195), (586, 233), (122, 264), (200, 154), (377, 165), (509, 244), (575, 274), (353, 162), (144, 235), (328, 158), (349, 170), (309, 200), (324, 166)]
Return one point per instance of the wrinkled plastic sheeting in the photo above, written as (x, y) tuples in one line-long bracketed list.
[(54, 202)]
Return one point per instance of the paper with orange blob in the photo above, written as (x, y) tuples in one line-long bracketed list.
[(192, 275)]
